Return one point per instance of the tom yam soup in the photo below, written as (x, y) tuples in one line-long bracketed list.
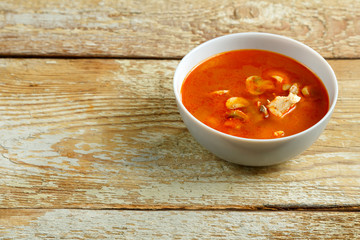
[(254, 94)]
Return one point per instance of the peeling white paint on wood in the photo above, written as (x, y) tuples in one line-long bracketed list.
[(107, 133), (74, 224), (95, 134), (171, 28)]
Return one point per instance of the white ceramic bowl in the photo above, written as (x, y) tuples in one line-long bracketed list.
[(255, 152)]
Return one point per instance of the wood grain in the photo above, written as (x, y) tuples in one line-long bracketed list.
[(97, 134), (169, 29), (96, 149), (85, 224)]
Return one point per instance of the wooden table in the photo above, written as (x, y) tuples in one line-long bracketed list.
[(92, 145)]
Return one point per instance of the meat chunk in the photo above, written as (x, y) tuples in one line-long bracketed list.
[(294, 89), (281, 105)]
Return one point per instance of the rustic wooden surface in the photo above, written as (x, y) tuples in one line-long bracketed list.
[(170, 28), (78, 224), (94, 148)]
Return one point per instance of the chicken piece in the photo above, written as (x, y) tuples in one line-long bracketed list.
[(294, 89), (281, 105)]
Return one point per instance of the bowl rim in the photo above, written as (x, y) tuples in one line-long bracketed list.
[(237, 138)]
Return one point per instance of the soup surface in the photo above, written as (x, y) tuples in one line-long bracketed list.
[(254, 94)]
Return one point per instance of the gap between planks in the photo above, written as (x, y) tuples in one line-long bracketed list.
[(101, 57), (355, 208), (119, 57)]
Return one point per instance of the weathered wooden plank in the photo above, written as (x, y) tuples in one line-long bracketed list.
[(89, 224), (96, 133), (169, 29)]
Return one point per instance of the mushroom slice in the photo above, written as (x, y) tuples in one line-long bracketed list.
[(286, 86), (305, 91), (236, 102), (237, 114), (256, 85), (264, 110), (310, 91), (279, 79), (281, 105)]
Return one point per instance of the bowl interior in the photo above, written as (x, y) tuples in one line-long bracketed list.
[(262, 41)]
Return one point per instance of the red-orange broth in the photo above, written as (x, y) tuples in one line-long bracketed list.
[(257, 81)]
